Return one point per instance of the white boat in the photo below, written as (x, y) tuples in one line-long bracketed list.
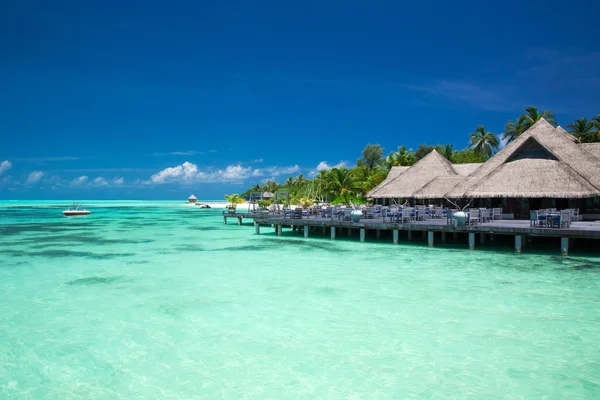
[(76, 210)]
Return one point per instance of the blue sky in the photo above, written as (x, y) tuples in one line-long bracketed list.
[(136, 100)]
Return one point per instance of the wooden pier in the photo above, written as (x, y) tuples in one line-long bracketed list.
[(239, 216), (521, 230)]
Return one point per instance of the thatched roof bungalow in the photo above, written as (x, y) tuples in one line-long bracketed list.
[(394, 172), (544, 167), (544, 162), (432, 168), (415, 177)]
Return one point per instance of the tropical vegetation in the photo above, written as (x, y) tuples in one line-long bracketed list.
[(233, 200), (350, 185)]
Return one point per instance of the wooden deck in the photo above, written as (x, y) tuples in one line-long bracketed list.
[(581, 229), (239, 216), (517, 228)]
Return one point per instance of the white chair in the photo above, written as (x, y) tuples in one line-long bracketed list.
[(565, 218), (474, 217), (496, 214), (406, 215)]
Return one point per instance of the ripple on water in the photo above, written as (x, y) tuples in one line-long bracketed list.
[(59, 253), (96, 280)]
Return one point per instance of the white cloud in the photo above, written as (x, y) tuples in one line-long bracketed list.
[(258, 160), (180, 153), (118, 181), (324, 166), (276, 171), (100, 181), (80, 181), (235, 172), (34, 177), (186, 171), (190, 173), (5, 166)]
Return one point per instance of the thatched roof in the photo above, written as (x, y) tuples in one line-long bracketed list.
[(437, 187), (394, 172), (593, 148), (465, 169), (192, 198), (543, 162), (571, 137), (267, 195), (415, 177)]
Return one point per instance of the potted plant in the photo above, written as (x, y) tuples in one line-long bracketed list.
[(306, 202), (233, 201), (263, 206)]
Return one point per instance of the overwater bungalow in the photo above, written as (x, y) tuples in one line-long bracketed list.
[(406, 182), (545, 167)]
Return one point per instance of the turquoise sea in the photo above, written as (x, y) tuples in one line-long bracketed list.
[(155, 300)]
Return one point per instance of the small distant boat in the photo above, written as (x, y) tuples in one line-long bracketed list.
[(203, 205), (76, 210)]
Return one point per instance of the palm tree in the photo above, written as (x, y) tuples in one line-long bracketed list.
[(342, 182), (533, 115), (366, 179), (483, 142), (583, 130), (400, 158), (596, 122), (234, 200), (289, 182), (513, 129)]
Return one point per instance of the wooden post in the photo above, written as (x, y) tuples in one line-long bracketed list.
[(443, 237), (378, 233), (225, 220), (257, 228), (482, 238), (306, 231), (409, 235), (362, 234), (279, 229), (324, 229), (518, 243), (239, 220), (491, 237), (423, 234), (430, 239), (395, 236), (471, 241), (564, 246), (333, 232)]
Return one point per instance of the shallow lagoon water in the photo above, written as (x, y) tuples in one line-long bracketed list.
[(156, 300)]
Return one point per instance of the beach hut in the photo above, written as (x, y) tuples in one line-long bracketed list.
[(544, 167), (267, 195), (192, 199), (394, 172), (407, 182)]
